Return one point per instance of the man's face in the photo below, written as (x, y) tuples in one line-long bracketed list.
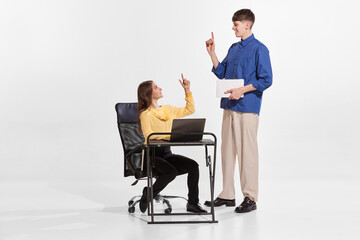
[(156, 91), (240, 28)]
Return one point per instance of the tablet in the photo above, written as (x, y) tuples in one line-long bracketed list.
[(226, 84)]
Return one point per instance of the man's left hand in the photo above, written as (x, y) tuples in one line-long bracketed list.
[(236, 93)]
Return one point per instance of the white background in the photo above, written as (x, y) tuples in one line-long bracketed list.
[(65, 64)]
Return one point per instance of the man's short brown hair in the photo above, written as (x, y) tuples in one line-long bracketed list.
[(244, 15)]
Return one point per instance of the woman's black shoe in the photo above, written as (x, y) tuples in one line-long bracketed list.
[(246, 206), (219, 202), (143, 201), (195, 208)]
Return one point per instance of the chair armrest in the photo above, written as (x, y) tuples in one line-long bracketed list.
[(128, 159)]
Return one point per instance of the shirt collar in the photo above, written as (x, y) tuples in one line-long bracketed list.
[(247, 41)]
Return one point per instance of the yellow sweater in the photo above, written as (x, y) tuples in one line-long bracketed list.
[(160, 119)]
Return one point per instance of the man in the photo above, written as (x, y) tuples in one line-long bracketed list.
[(247, 59)]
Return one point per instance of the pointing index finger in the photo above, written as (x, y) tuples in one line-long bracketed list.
[(212, 36)]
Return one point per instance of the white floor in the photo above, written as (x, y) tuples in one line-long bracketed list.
[(288, 209)]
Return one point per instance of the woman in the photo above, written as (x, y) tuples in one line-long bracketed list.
[(156, 118)]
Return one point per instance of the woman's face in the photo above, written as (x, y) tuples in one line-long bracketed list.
[(156, 92)]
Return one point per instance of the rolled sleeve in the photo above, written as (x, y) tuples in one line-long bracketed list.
[(221, 67), (263, 71), (220, 70)]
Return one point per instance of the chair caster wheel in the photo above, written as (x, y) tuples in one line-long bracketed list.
[(131, 209), (130, 202), (167, 210)]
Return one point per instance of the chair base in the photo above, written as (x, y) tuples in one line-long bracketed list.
[(159, 198)]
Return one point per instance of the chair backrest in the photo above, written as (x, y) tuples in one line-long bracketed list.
[(127, 120)]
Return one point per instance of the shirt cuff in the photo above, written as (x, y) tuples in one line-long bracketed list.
[(256, 85), (219, 69)]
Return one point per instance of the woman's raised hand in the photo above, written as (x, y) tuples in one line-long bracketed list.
[(185, 83)]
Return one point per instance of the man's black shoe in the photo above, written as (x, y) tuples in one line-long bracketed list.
[(143, 201), (246, 206), (195, 208), (219, 202)]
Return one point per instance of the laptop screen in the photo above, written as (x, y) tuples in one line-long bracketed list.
[(187, 125)]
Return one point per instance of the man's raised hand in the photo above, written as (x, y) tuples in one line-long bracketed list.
[(210, 44)]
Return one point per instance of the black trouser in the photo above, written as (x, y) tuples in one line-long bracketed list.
[(167, 166)]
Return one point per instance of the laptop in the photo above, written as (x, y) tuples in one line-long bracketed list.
[(184, 125)]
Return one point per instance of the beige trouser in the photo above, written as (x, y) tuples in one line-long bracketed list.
[(239, 138)]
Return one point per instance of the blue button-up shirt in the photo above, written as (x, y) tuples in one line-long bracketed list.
[(248, 60)]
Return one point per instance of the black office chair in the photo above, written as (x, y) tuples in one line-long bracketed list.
[(134, 152)]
